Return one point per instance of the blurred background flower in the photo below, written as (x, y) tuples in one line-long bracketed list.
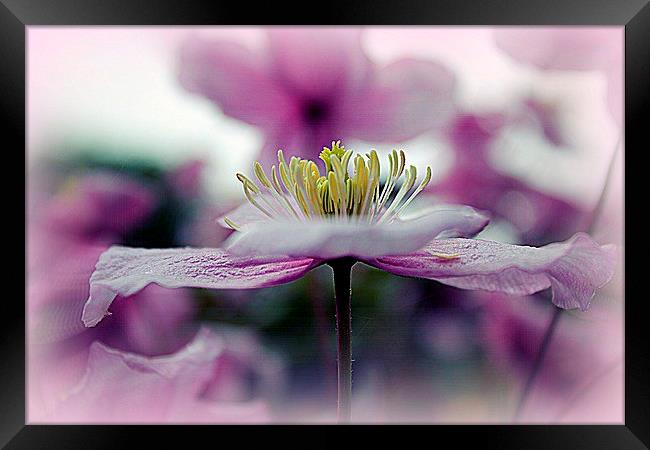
[(312, 85), (134, 137), (181, 387)]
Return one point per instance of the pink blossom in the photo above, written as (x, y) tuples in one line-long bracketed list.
[(294, 232), (120, 387), (308, 85)]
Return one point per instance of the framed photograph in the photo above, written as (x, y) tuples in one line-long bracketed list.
[(387, 216)]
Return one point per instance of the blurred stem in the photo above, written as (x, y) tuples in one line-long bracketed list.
[(342, 269), (546, 340), (550, 329), (600, 204)]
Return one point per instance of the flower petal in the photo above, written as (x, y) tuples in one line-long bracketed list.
[(125, 271), (316, 62), (452, 220), (126, 387), (334, 239), (155, 321), (407, 98), (574, 269), (235, 78)]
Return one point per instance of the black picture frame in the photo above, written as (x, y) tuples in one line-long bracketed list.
[(634, 15)]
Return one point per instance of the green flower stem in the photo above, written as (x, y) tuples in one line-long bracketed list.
[(342, 269)]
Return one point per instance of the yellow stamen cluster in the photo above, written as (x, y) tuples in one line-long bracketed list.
[(299, 191)]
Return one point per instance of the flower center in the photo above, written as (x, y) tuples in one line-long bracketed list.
[(315, 111), (299, 191)]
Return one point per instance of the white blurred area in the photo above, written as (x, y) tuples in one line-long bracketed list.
[(118, 85)]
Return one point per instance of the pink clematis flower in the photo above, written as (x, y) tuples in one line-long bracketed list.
[(121, 387), (311, 84), (300, 219)]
